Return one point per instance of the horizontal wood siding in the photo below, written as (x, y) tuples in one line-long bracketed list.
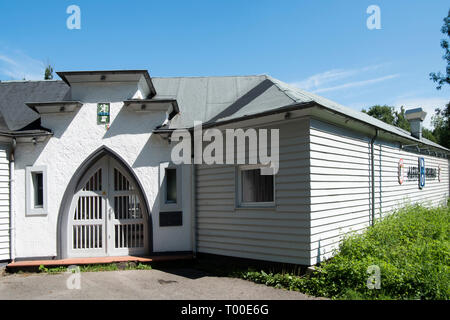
[(391, 195), (279, 233), (341, 184), (4, 206)]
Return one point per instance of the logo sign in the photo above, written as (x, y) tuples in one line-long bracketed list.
[(401, 171), (421, 173), (103, 113)]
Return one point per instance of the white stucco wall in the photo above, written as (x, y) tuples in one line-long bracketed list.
[(76, 136)]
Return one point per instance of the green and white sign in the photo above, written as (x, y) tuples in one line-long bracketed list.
[(103, 113)]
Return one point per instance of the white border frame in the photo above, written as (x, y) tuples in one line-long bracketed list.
[(239, 202), (30, 209)]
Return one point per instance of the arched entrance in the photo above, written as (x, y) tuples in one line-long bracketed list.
[(106, 214)]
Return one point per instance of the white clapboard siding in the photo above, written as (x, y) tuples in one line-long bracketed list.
[(4, 206), (341, 184), (391, 195), (280, 233)]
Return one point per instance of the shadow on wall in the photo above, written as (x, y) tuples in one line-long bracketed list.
[(59, 123), (132, 122), (153, 153), (28, 153)]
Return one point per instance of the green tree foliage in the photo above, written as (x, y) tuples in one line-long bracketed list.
[(441, 125), (440, 78), (48, 73), (383, 113), (389, 115)]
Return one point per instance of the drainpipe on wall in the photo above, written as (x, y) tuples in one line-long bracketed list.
[(372, 165), (12, 213), (193, 212)]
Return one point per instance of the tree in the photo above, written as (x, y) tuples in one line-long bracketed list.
[(441, 124), (48, 73), (400, 120), (383, 113), (397, 118), (389, 115), (440, 78)]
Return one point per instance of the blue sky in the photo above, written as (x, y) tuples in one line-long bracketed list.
[(320, 46)]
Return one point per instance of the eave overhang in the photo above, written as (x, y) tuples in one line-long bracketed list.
[(71, 77), (153, 105), (54, 106)]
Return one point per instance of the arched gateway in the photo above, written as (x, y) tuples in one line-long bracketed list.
[(105, 214)]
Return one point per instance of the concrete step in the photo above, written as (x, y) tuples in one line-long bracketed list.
[(97, 260)]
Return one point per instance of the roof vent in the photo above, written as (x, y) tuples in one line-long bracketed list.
[(415, 118)]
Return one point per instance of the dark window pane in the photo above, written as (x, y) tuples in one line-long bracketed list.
[(256, 187), (38, 188), (171, 185)]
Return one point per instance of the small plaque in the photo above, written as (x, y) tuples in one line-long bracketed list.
[(103, 113)]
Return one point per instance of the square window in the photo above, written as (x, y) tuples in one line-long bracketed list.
[(254, 188)]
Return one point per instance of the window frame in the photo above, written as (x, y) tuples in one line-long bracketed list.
[(164, 205), (31, 210), (239, 202)]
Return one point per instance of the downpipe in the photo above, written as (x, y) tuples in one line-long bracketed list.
[(12, 210), (372, 165)]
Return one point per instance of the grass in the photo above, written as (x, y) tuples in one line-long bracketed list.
[(411, 247), (98, 267)]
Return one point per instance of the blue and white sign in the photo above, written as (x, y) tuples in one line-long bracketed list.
[(421, 173)]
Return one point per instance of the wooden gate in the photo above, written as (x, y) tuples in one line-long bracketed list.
[(107, 215)]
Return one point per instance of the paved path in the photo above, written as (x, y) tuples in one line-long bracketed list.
[(183, 284)]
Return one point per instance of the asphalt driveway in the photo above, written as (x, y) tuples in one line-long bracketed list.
[(183, 284)]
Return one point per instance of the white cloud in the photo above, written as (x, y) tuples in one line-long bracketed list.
[(16, 65), (317, 81), (427, 104), (357, 83)]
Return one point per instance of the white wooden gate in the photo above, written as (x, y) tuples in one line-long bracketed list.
[(107, 215)]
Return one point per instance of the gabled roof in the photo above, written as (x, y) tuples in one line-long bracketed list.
[(269, 95), (212, 100), (14, 95)]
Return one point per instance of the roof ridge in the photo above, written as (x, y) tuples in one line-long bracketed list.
[(25, 81), (196, 77)]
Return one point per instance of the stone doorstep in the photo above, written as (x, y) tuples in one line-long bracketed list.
[(98, 260)]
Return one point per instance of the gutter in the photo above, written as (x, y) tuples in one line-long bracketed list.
[(372, 165), (12, 211)]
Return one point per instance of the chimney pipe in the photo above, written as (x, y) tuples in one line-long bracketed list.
[(415, 118)]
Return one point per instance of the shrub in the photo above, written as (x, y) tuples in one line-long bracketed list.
[(411, 247)]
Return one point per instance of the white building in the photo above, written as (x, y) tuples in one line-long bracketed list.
[(86, 171)]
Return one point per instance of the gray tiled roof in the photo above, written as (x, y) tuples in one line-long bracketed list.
[(14, 94), (211, 100)]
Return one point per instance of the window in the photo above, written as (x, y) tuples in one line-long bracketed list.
[(36, 190), (255, 189), (171, 185)]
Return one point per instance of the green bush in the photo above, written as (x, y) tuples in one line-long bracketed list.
[(411, 247)]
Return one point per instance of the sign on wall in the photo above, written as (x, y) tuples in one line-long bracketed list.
[(401, 171), (103, 113), (421, 173), (418, 173)]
